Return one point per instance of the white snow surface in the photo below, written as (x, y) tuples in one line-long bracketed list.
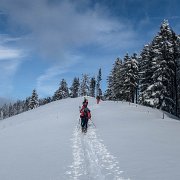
[(129, 142)]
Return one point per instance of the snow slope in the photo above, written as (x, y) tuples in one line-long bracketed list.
[(128, 142)]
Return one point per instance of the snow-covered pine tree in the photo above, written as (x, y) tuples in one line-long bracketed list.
[(17, 107), (92, 87), (57, 95), (160, 91), (118, 80), (108, 95), (33, 102), (126, 85), (115, 82), (1, 113), (176, 49), (20, 105), (135, 76), (47, 100), (64, 89), (84, 86), (163, 69), (62, 92), (145, 75), (177, 84), (41, 102), (10, 110), (5, 111), (26, 104), (98, 84), (130, 75), (75, 88)]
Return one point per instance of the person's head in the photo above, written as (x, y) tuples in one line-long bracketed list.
[(84, 104)]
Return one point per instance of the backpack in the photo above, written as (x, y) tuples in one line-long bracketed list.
[(87, 113)]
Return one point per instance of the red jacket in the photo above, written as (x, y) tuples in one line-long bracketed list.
[(85, 110)]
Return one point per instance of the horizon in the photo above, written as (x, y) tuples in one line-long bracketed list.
[(43, 42)]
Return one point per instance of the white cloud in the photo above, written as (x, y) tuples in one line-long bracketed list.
[(58, 29), (8, 68), (9, 53), (10, 60), (61, 27)]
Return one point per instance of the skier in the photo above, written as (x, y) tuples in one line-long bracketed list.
[(85, 101), (85, 115)]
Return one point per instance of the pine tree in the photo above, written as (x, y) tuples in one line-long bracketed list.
[(33, 102), (160, 91), (62, 92), (47, 100), (84, 87), (92, 87), (26, 104), (176, 47), (98, 84), (164, 69), (130, 77), (10, 110), (134, 77), (75, 88), (5, 111), (1, 114), (123, 80), (57, 95), (115, 82), (145, 75), (109, 92), (64, 89), (17, 107), (118, 80)]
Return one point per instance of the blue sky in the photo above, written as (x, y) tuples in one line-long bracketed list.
[(43, 41)]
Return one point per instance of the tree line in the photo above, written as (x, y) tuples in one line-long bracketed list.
[(152, 78), (85, 87)]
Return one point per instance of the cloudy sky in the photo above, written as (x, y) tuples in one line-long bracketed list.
[(43, 41)]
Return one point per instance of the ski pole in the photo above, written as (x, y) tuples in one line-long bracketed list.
[(93, 123)]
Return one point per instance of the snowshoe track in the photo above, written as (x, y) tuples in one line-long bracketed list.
[(91, 159)]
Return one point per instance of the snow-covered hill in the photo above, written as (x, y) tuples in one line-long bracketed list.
[(128, 142)]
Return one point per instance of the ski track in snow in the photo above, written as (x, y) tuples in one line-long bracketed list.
[(91, 159)]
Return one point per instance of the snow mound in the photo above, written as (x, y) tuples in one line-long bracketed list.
[(128, 142)]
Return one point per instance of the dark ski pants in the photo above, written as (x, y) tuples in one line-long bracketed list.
[(84, 122)]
